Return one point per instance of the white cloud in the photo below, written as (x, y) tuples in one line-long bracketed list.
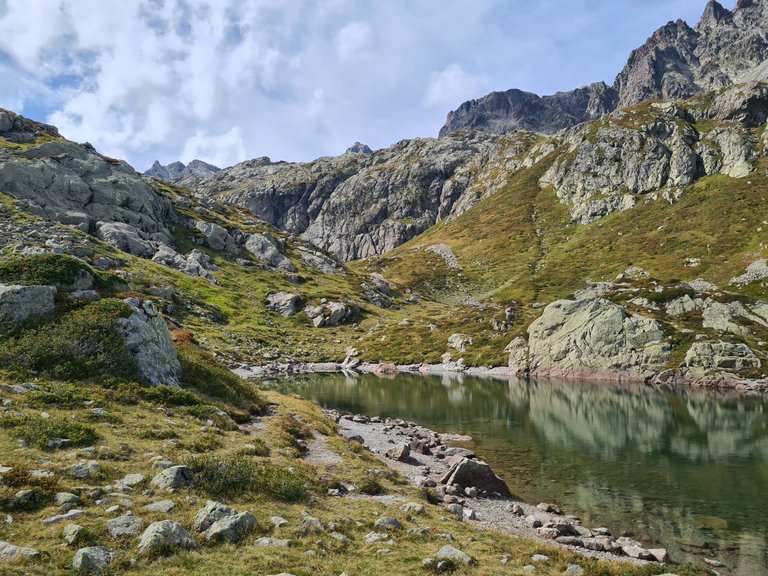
[(452, 86), (354, 40), (233, 79), (217, 150)]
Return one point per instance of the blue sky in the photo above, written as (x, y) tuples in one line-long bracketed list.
[(229, 80)]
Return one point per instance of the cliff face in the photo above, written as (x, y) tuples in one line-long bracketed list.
[(358, 205), (676, 62)]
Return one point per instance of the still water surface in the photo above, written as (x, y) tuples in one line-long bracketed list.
[(687, 470)]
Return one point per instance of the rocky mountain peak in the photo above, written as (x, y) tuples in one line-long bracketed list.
[(359, 148), (158, 170), (676, 62), (714, 15), (200, 168), (177, 169), (518, 110)]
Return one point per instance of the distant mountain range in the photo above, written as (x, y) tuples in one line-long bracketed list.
[(176, 170), (676, 62)]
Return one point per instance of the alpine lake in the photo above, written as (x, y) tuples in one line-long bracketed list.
[(683, 469)]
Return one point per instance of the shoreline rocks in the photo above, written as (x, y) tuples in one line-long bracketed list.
[(468, 489), (664, 379)]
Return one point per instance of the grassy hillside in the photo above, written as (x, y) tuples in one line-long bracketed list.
[(521, 245)]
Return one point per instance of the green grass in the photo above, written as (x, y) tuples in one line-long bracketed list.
[(40, 431), (240, 476), (204, 374)]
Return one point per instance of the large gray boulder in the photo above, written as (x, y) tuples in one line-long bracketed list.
[(756, 271), (163, 538), (331, 314), (594, 338), (93, 560), (9, 551), (448, 552), (470, 473), (216, 237), (218, 522), (265, 248), (124, 526), (196, 263), (231, 528), (284, 303), (149, 343), (209, 514), (126, 237), (172, 479), (19, 303)]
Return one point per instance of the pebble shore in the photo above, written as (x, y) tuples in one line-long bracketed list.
[(542, 522)]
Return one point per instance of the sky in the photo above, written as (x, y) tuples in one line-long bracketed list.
[(229, 80)]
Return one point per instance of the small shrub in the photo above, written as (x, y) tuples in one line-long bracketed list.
[(281, 484), (293, 433), (60, 395), (440, 566), (237, 475), (294, 427), (204, 444), (40, 431), (260, 448), (225, 476), (371, 486), (219, 418), (75, 346), (430, 495), (20, 477), (53, 270), (168, 396), (203, 373), (183, 337), (158, 434)]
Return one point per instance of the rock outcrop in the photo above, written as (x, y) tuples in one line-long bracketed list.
[(655, 151), (394, 194), (284, 303), (707, 357), (19, 303), (594, 338), (149, 343), (93, 560), (9, 551), (73, 184), (469, 473), (164, 537)]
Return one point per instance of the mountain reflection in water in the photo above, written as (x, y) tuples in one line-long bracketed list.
[(685, 469)]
